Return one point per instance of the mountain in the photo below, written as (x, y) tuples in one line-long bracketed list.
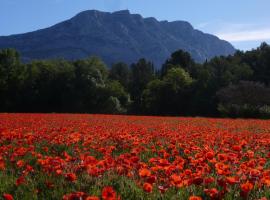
[(117, 36)]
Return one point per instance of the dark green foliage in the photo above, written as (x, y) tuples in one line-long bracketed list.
[(11, 77), (179, 58), (58, 86), (120, 72), (211, 77), (259, 61), (157, 95), (142, 73), (246, 99), (217, 87)]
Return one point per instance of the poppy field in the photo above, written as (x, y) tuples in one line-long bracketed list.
[(107, 157)]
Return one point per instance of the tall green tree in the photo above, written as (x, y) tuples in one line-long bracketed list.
[(142, 73), (12, 75), (180, 59), (259, 61), (90, 78), (169, 96), (120, 72)]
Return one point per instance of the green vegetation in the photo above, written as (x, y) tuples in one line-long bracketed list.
[(233, 86)]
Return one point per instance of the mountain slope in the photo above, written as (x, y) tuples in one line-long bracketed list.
[(118, 36)]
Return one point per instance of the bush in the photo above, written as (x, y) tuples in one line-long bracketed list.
[(245, 111), (112, 105), (246, 99)]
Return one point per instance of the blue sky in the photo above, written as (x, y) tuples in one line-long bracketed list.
[(245, 23)]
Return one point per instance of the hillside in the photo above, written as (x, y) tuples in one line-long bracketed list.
[(118, 36)]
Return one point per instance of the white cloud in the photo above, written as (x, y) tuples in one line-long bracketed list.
[(237, 32), (242, 35), (244, 32), (247, 35)]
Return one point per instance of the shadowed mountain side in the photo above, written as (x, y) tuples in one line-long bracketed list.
[(118, 36)]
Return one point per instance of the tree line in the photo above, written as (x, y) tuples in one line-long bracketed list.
[(232, 86)]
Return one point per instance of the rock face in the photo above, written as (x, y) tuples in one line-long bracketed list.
[(118, 36)]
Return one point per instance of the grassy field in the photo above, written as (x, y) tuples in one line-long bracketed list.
[(65, 156)]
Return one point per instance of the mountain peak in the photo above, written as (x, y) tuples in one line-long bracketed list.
[(88, 13), (116, 36), (122, 12), (101, 13)]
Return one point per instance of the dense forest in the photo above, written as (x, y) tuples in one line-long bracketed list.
[(233, 86)]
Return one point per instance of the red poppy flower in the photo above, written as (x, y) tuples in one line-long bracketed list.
[(92, 198), (151, 179), (7, 196), (209, 180), (74, 196), (236, 148), (213, 192), (232, 180), (71, 177), (176, 179), (195, 198), (20, 163), (246, 187), (197, 180), (144, 172), (209, 155), (20, 181), (147, 187), (2, 163), (222, 157), (108, 193), (58, 171)]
